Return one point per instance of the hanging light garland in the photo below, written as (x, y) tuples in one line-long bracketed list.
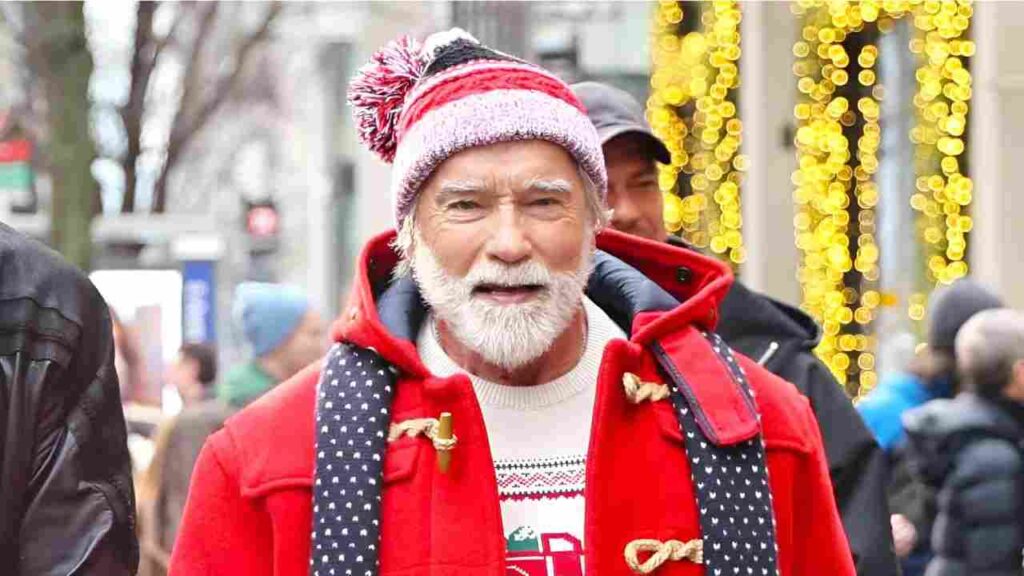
[(692, 109), (941, 102), (838, 141)]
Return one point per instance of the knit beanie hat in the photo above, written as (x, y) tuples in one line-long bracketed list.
[(268, 314), (953, 306), (417, 104)]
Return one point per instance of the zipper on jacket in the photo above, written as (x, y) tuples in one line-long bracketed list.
[(773, 347)]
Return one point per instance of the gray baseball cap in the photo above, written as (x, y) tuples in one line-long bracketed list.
[(614, 113)]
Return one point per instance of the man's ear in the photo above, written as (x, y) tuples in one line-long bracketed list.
[(1018, 370), (1016, 387)]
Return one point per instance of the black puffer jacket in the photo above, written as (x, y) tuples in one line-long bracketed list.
[(969, 449), (783, 338), (66, 501)]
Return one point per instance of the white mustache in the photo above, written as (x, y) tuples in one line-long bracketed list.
[(494, 274), (505, 335)]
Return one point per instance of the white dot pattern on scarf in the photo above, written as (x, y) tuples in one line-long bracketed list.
[(352, 417), (733, 495)]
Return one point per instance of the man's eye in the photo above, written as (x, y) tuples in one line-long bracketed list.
[(544, 202), (463, 205)]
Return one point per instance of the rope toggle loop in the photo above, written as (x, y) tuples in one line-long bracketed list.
[(638, 391), (662, 552), (439, 431), (429, 427)]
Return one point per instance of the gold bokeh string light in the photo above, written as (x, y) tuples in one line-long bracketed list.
[(838, 138), (944, 90), (692, 109)]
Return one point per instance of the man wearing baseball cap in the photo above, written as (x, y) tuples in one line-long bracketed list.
[(779, 336)]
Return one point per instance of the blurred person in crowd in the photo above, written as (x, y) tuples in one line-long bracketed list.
[(284, 334), (932, 374), (780, 336), (128, 361), (505, 376), (143, 418), (194, 373), (970, 449), (178, 442), (67, 504)]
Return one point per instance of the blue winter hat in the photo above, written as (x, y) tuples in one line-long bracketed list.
[(268, 313)]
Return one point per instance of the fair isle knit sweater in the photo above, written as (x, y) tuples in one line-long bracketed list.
[(539, 437)]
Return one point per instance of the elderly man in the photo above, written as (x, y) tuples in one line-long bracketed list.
[(780, 337), (512, 393), (968, 449)]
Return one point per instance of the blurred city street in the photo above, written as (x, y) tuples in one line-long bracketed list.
[(200, 163)]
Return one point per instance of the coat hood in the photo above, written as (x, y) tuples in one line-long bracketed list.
[(769, 331)]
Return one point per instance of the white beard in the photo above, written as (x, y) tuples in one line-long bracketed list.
[(507, 336)]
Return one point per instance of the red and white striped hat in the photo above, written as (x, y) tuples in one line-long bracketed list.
[(417, 104)]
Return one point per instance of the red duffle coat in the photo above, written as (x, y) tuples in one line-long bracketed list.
[(250, 507)]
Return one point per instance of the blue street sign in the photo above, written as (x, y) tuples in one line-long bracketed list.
[(198, 294)]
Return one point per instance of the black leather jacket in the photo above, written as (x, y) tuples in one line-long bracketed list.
[(66, 499)]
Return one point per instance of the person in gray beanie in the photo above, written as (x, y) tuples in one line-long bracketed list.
[(952, 307), (931, 375)]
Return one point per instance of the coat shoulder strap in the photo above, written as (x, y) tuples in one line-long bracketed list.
[(715, 409), (702, 367)]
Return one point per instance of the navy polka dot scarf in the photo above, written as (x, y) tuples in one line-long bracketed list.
[(352, 419), (353, 401), (731, 482)]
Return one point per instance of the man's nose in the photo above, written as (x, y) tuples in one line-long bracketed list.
[(625, 214), (509, 242)]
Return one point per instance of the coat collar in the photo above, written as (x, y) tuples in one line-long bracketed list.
[(649, 288)]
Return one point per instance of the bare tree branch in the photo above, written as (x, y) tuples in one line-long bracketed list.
[(33, 41), (192, 79), (147, 50), (184, 129), (185, 9), (228, 83), (134, 108), (21, 116)]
